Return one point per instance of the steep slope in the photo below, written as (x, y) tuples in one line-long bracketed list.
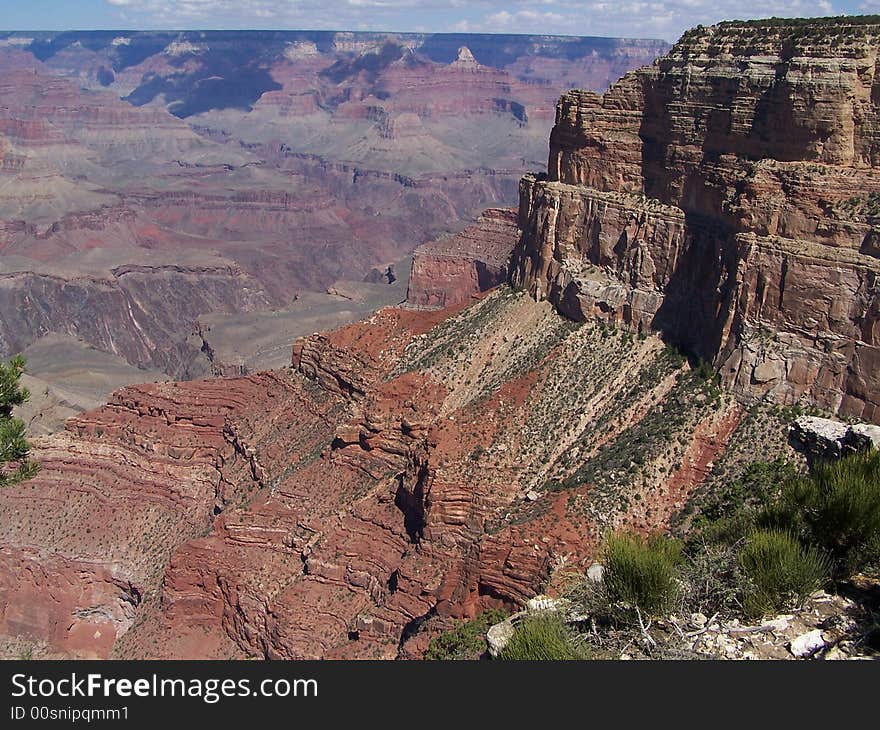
[(86, 541), (726, 197), (409, 469)]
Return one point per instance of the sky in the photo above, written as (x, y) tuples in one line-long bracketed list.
[(623, 18)]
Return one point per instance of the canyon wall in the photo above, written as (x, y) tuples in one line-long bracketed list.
[(452, 269), (421, 466), (727, 197)]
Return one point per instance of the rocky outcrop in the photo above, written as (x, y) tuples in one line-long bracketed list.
[(409, 470), (87, 540), (452, 269), (413, 511), (825, 438), (726, 197), (828, 627), (336, 369)]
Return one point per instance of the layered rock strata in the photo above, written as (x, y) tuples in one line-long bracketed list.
[(452, 269), (407, 471), (727, 197), (86, 541)]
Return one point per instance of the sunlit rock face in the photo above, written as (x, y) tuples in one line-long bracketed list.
[(727, 196)]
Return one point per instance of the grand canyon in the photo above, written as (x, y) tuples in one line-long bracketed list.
[(388, 363), (175, 205)]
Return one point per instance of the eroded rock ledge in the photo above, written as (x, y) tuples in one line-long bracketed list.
[(453, 269), (727, 197)]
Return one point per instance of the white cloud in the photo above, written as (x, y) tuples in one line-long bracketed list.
[(630, 18), (641, 18), (505, 21)]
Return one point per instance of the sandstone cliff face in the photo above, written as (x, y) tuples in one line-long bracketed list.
[(452, 269), (726, 196)]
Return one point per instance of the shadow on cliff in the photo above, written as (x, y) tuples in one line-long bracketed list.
[(698, 299), (699, 295)]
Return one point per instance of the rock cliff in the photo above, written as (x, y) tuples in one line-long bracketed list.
[(727, 197), (406, 471), (452, 269)]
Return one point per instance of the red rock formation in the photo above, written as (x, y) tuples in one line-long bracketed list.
[(726, 197), (452, 269), (403, 474), (421, 466), (88, 538)]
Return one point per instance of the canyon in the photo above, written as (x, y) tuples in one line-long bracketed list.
[(546, 381), (165, 195)]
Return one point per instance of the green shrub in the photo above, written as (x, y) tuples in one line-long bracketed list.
[(729, 512), (723, 531), (836, 508), (781, 572), (642, 572), (542, 637), (467, 640)]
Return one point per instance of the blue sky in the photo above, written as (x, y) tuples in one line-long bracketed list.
[(629, 18)]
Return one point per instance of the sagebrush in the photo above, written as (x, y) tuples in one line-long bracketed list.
[(781, 572), (542, 637), (836, 508), (642, 572)]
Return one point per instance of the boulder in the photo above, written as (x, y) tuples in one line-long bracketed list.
[(807, 644), (498, 636), (826, 438), (542, 602), (864, 436)]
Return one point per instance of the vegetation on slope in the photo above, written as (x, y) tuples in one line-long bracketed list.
[(642, 573), (466, 640), (15, 462), (617, 422), (543, 637), (780, 571), (763, 546)]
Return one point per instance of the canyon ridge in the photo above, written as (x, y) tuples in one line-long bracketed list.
[(545, 381)]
